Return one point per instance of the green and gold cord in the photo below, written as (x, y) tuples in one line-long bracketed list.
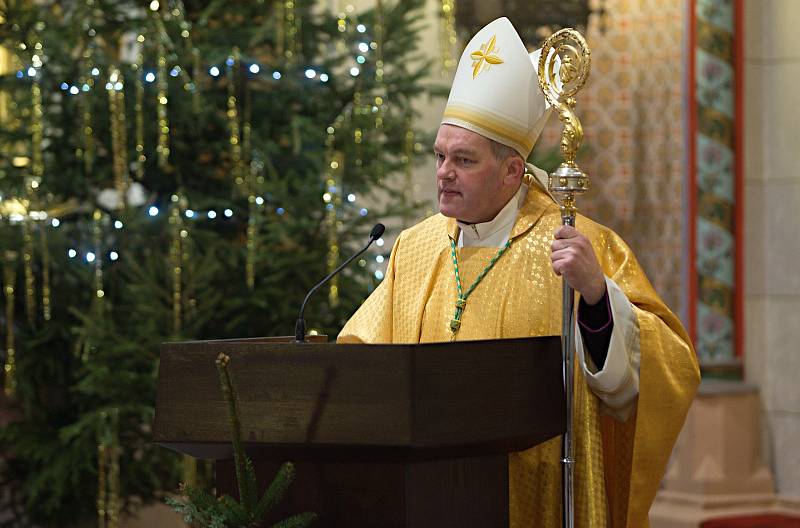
[(461, 300)]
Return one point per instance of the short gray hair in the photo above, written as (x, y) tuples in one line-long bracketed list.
[(502, 152)]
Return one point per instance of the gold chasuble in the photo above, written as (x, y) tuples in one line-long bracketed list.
[(618, 465)]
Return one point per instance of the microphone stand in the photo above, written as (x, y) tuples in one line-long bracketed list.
[(300, 325)]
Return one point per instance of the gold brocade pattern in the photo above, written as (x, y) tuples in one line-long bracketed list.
[(521, 296)]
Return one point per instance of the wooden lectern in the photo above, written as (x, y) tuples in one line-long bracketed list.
[(381, 436)]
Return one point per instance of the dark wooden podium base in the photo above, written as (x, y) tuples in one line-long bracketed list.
[(462, 492)]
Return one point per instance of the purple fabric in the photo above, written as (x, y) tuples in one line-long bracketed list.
[(596, 324)]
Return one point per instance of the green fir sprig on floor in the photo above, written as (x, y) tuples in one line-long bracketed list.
[(201, 509)]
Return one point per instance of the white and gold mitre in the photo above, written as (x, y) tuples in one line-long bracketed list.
[(496, 89)]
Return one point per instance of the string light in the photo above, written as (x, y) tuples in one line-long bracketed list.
[(361, 28), (363, 47), (379, 242), (310, 73), (118, 224), (189, 213), (72, 253), (254, 68), (55, 222), (379, 259), (276, 75), (354, 71), (153, 211), (363, 211), (378, 274), (150, 77), (228, 213), (323, 77), (259, 200), (212, 214), (351, 197), (113, 255), (90, 257)]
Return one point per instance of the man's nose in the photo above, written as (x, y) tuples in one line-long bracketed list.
[(444, 171)]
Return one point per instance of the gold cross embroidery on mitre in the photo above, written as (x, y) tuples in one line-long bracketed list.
[(484, 57)]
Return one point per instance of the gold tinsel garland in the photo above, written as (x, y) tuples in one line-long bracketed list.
[(291, 30), (179, 233), (97, 237), (108, 478), (234, 130), (447, 36), (407, 160), (32, 184), (252, 201), (27, 266), (332, 198), (177, 259), (138, 109), (45, 250), (86, 152), (162, 147), (9, 281), (119, 134), (379, 101)]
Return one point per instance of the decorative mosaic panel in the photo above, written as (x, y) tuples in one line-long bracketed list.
[(715, 179)]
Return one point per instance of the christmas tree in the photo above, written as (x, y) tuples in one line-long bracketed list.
[(170, 171)]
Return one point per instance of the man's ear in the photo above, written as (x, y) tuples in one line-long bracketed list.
[(514, 170)]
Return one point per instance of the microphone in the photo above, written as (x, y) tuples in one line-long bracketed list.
[(300, 325)]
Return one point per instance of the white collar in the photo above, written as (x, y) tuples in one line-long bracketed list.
[(489, 233)]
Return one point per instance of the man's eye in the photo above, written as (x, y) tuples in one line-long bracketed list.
[(439, 156), (466, 161)]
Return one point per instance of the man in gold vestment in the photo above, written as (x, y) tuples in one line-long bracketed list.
[(490, 266)]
